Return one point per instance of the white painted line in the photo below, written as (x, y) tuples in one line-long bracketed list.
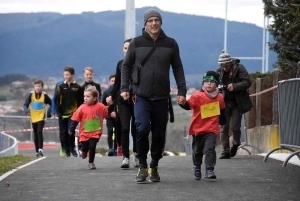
[(20, 167)]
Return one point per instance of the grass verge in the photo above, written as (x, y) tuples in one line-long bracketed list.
[(8, 163)]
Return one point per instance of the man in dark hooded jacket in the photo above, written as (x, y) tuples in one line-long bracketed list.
[(152, 89), (234, 82)]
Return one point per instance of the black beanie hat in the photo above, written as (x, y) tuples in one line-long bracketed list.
[(151, 13), (212, 76)]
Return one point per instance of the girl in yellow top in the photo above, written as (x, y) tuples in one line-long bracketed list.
[(34, 107)]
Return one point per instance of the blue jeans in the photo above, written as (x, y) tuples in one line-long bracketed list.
[(150, 116)]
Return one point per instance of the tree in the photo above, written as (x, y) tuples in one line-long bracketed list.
[(9, 78), (285, 30)]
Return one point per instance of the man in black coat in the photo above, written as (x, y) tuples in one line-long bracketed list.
[(234, 82), (152, 89)]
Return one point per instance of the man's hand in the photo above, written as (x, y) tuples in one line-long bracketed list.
[(230, 87), (125, 95), (109, 100), (181, 100)]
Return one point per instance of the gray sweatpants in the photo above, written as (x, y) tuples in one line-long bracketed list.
[(207, 141)]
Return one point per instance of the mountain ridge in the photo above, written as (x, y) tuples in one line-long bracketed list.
[(40, 44)]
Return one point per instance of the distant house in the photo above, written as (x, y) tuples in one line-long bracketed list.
[(17, 84)]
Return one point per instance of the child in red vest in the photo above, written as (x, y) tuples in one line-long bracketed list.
[(90, 116), (208, 117), (34, 107)]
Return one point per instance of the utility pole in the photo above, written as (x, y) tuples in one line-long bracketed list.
[(130, 19)]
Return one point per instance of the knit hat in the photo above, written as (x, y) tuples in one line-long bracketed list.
[(212, 76), (151, 13), (224, 59)]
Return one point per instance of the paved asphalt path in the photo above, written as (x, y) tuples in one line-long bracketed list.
[(240, 178)]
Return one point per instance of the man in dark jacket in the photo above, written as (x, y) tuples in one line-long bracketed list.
[(152, 90), (234, 82)]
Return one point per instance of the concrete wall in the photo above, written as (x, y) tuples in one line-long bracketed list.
[(265, 138)]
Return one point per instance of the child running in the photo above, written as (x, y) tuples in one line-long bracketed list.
[(208, 117), (90, 116), (34, 107)]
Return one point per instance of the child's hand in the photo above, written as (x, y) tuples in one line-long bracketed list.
[(221, 126), (109, 100), (113, 114), (70, 132)]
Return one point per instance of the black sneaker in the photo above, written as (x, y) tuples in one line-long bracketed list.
[(142, 174), (225, 155), (74, 153), (197, 173), (83, 155), (110, 152), (209, 174), (154, 175), (67, 154), (233, 150)]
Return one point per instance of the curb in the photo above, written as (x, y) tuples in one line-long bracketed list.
[(20, 167)]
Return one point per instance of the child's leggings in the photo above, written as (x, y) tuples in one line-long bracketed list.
[(38, 134), (90, 145)]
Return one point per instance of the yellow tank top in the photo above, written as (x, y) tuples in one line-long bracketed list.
[(37, 108)]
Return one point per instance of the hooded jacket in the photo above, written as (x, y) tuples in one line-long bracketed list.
[(154, 75), (241, 83)]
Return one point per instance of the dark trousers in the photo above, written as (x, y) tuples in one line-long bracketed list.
[(207, 141), (90, 145), (150, 116), (126, 113), (38, 134), (60, 133), (68, 140), (232, 113), (111, 124)]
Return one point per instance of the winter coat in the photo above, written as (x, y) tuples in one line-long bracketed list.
[(154, 75), (241, 83)]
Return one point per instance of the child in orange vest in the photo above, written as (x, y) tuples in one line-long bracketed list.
[(90, 116), (208, 117), (34, 107)]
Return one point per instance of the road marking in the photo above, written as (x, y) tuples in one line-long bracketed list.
[(18, 168)]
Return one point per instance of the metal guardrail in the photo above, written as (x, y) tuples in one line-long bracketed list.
[(289, 118), (8, 145)]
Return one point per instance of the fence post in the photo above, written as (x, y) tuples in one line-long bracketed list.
[(298, 70), (275, 98), (258, 102)]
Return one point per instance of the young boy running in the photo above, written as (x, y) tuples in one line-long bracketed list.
[(68, 99), (34, 107), (208, 115), (90, 116)]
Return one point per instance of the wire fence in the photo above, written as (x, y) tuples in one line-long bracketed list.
[(20, 127), (264, 96)]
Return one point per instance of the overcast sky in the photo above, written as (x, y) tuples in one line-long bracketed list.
[(250, 11)]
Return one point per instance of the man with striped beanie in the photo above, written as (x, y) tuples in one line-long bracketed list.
[(235, 81)]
